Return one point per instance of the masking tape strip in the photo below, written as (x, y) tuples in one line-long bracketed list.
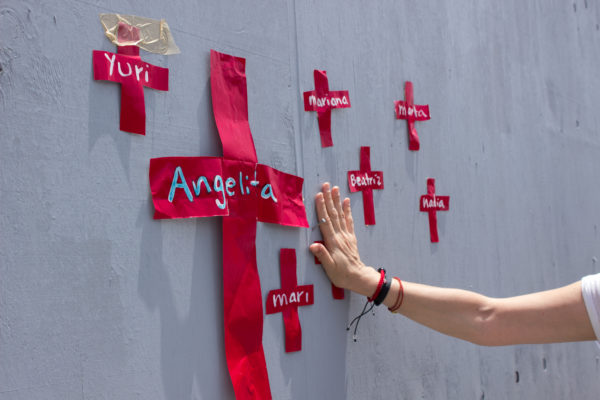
[(154, 35)]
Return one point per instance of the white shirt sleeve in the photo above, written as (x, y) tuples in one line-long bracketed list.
[(590, 289)]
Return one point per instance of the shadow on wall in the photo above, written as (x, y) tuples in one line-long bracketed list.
[(186, 342)]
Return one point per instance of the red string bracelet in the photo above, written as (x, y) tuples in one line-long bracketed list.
[(400, 298), (379, 285)]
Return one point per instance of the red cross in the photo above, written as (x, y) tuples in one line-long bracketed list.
[(127, 68), (243, 192), (322, 100), (336, 292), (410, 112), (431, 203), (366, 181), (287, 300)]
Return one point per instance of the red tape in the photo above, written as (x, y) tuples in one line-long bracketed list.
[(336, 292), (128, 69), (287, 300), (366, 181), (431, 203), (322, 100), (410, 112), (241, 191)]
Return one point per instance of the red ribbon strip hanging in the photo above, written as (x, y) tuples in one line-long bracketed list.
[(322, 100), (127, 68), (410, 112), (366, 181), (241, 191), (336, 292), (287, 300), (431, 203)]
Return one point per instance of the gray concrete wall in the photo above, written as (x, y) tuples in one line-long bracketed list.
[(100, 301)]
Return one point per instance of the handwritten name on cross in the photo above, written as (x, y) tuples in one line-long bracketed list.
[(287, 300), (336, 292), (366, 181), (322, 100), (127, 68), (410, 112), (236, 187), (431, 203)]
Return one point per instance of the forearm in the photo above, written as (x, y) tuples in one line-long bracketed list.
[(556, 315), (459, 313)]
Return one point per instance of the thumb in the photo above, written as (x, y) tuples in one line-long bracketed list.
[(322, 254)]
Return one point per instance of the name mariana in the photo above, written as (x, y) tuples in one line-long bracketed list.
[(433, 202), (283, 300), (225, 187), (327, 101), (403, 111)]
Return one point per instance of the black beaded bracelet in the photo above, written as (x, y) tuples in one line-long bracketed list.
[(387, 284)]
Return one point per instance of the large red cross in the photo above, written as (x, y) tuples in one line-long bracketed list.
[(366, 181), (287, 300), (242, 191), (127, 68), (322, 100), (431, 203), (410, 112)]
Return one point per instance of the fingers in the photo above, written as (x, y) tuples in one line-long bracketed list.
[(322, 254), (337, 203), (330, 207), (348, 216), (324, 220)]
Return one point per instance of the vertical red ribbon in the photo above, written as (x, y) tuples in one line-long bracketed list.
[(413, 137), (365, 181), (241, 283), (431, 203), (336, 292), (287, 300)]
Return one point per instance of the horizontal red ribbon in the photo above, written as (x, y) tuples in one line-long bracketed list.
[(360, 180), (184, 187), (280, 299), (411, 113), (434, 203), (333, 99)]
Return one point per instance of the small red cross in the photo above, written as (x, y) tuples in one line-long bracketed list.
[(322, 100), (431, 203), (127, 68), (410, 112), (366, 181), (336, 292), (287, 300)]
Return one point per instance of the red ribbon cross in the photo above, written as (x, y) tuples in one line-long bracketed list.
[(287, 300), (243, 192), (431, 203), (366, 181), (127, 68), (410, 112), (322, 100)]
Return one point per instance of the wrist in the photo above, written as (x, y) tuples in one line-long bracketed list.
[(366, 281)]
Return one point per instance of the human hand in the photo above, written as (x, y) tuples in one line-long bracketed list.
[(339, 257)]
